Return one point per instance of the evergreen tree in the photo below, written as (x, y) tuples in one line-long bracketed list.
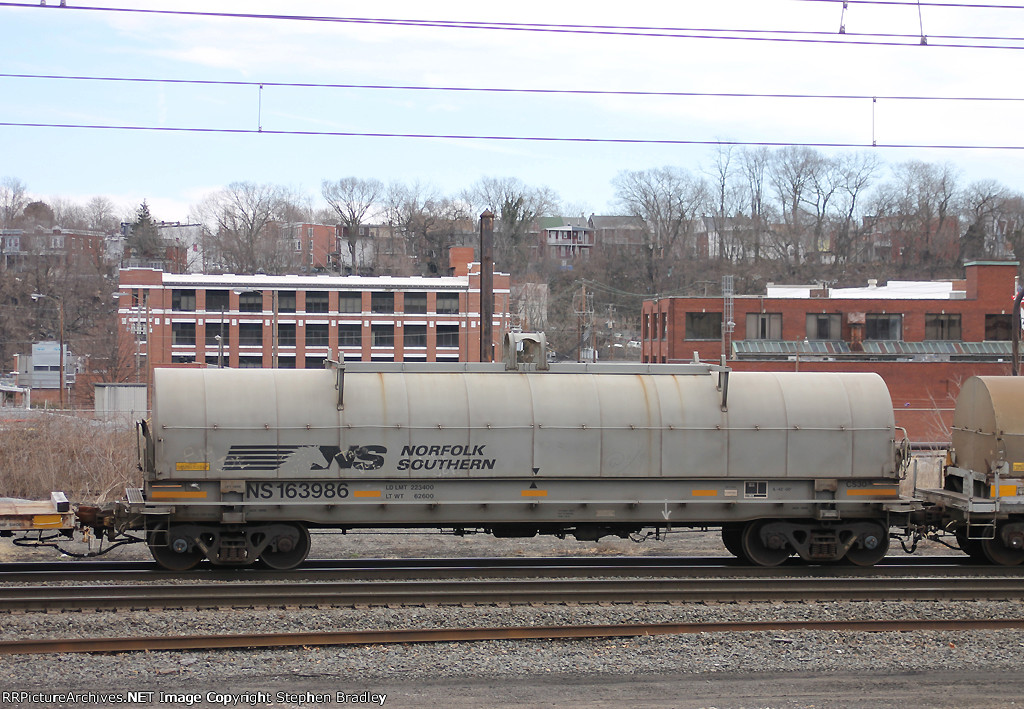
[(144, 239)]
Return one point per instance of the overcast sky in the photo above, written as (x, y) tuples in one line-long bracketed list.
[(173, 170)]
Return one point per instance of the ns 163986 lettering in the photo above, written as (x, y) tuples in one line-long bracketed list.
[(314, 490)]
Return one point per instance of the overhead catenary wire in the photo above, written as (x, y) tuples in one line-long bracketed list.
[(508, 89), (510, 138), (742, 34)]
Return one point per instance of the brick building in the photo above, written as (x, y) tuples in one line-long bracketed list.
[(299, 321), (923, 337), (74, 250)]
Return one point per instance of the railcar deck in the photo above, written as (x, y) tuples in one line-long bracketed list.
[(30, 515)]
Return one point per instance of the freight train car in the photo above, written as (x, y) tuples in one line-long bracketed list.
[(240, 464), (982, 499)]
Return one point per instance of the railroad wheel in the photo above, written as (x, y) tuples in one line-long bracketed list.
[(290, 548), (870, 547), (172, 550), (772, 553), (998, 553), (732, 538), (971, 547)]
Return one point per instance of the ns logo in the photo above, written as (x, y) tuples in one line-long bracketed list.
[(356, 457)]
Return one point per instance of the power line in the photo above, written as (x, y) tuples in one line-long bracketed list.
[(914, 3), (797, 36), (525, 138), (495, 89)]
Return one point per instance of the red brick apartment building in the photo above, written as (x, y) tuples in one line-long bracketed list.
[(299, 321), (923, 337)]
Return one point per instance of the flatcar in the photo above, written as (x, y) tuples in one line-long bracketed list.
[(239, 465)]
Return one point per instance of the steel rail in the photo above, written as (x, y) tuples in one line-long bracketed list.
[(582, 567), (449, 592), (432, 635)]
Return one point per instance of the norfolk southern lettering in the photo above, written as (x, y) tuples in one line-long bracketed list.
[(444, 458), (370, 457)]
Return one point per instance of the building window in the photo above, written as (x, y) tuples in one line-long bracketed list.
[(315, 362), (316, 301), (213, 329), (447, 336), (298, 244), (415, 336), (250, 362), (350, 302), (824, 326), (382, 302), (183, 333), (703, 326), (382, 335), (316, 336), (286, 335), (183, 300), (415, 303), (286, 301), (217, 300), (764, 326), (998, 327), (883, 327), (286, 363), (250, 302), (655, 329), (350, 335), (250, 334), (447, 303), (938, 326)]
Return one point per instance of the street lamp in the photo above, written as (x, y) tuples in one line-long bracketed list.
[(273, 331), (60, 308)]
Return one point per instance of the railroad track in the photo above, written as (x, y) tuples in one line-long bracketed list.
[(501, 567), (248, 594), (424, 635)]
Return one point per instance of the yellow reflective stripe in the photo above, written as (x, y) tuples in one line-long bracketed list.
[(192, 466), (366, 493), (183, 494), (705, 493), (47, 520), (1003, 491), (873, 492), (535, 493)]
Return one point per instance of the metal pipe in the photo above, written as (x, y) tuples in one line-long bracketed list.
[(486, 286)]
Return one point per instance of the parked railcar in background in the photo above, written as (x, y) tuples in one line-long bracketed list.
[(982, 499)]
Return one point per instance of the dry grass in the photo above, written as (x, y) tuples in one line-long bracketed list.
[(88, 460)]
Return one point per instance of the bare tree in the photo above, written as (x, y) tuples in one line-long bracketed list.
[(855, 173), (726, 201), (918, 214), (13, 199), (792, 171), (984, 210), (516, 208), (353, 201), (668, 200), (430, 222), (243, 221), (754, 166), (68, 214), (101, 214)]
